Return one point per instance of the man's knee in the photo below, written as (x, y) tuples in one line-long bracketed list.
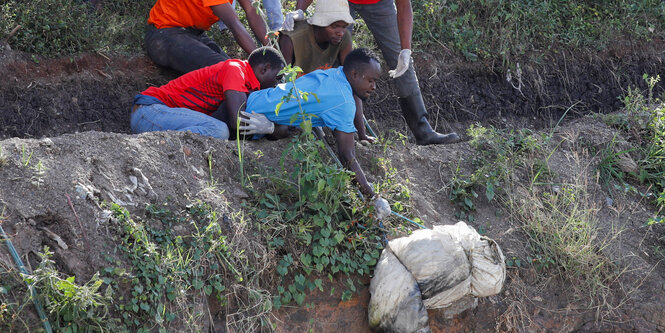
[(216, 129)]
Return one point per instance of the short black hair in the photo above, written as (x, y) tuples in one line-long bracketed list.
[(266, 55), (358, 59)]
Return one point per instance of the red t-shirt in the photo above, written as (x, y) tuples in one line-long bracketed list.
[(364, 2), (203, 89), (184, 13)]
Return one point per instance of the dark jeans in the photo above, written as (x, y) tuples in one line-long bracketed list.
[(182, 49), (381, 19)]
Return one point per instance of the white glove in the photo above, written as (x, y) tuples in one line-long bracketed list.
[(290, 19), (255, 123), (403, 61), (381, 208)]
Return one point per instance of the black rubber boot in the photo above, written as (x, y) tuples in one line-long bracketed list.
[(413, 110)]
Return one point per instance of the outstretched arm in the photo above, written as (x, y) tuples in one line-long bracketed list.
[(226, 13), (255, 21), (347, 155)]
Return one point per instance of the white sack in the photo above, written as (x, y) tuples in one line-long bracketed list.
[(488, 268), (395, 304), (436, 261)]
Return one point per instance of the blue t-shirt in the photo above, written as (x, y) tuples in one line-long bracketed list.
[(335, 107)]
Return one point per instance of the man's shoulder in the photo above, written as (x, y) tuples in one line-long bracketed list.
[(234, 65), (299, 29)]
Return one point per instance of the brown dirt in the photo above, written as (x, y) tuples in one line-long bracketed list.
[(72, 115)]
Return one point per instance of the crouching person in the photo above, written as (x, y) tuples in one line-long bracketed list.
[(200, 101), (334, 107)]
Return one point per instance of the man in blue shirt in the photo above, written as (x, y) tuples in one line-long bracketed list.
[(332, 106)]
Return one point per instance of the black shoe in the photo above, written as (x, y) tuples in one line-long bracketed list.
[(413, 110), (434, 138)]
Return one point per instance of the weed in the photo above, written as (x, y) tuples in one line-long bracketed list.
[(25, 157), (562, 229), (644, 119), (169, 272), (508, 30), (614, 164), (497, 154), (72, 308), (3, 158), (38, 173)]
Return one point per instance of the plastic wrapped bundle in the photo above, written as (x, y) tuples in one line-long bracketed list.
[(432, 269), (395, 305)]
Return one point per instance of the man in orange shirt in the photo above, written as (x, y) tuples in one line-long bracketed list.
[(176, 35)]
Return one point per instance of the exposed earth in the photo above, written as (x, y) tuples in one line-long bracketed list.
[(71, 114)]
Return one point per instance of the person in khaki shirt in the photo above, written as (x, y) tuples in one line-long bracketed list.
[(322, 42), (391, 24)]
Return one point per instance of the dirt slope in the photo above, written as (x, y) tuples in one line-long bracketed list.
[(89, 97)]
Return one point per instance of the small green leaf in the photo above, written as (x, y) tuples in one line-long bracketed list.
[(278, 107)]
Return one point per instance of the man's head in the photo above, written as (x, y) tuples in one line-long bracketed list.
[(266, 62), (362, 70), (332, 33), (333, 17)]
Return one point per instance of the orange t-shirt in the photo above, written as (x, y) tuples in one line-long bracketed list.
[(184, 13)]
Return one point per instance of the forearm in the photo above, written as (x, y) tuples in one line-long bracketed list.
[(242, 37), (281, 131), (226, 13), (404, 22), (256, 23), (235, 101), (359, 119), (345, 148), (303, 4), (361, 180)]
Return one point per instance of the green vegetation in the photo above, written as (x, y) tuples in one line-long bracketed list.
[(309, 212), (488, 30), (75, 308), (498, 154), (169, 273), (509, 30), (3, 157), (643, 120), (555, 212), (66, 27)]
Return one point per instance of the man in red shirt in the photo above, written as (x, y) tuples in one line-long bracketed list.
[(176, 35), (199, 100), (391, 23)]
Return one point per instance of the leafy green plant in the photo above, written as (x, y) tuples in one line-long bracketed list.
[(644, 120), (71, 308), (66, 27), (311, 214), (508, 30), (168, 271), (497, 153)]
